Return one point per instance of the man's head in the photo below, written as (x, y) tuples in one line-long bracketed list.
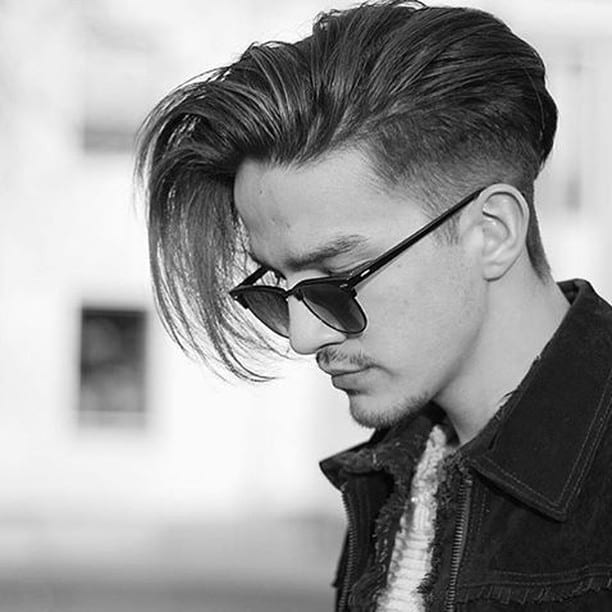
[(385, 116)]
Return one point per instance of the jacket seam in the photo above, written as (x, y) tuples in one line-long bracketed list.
[(506, 578), (602, 414)]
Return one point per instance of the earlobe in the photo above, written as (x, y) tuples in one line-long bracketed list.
[(504, 222)]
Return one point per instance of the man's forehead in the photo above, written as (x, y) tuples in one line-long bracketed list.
[(265, 187), (297, 217), (323, 250)]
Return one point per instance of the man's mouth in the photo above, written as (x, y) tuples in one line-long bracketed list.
[(333, 372), (347, 379)]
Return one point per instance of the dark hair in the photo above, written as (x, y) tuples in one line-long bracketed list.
[(442, 100)]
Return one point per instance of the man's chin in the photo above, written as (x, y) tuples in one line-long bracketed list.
[(381, 413)]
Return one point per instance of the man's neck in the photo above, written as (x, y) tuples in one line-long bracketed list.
[(518, 326)]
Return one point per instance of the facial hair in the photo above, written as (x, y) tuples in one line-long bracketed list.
[(383, 417), (332, 355)]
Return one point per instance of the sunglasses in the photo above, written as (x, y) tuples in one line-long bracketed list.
[(332, 299)]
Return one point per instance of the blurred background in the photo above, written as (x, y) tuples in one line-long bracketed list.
[(130, 477)]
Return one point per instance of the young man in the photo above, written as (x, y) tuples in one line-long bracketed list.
[(374, 184)]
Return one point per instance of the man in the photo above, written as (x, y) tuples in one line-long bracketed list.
[(374, 184)]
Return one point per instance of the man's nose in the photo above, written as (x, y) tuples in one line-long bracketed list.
[(307, 333)]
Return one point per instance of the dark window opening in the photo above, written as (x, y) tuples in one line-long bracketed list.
[(112, 368)]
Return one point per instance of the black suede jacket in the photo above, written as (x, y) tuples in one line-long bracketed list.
[(524, 515)]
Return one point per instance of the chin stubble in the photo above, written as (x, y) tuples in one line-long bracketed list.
[(384, 416)]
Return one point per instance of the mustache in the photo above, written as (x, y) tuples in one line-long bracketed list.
[(332, 355)]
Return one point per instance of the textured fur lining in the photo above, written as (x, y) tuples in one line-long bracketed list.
[(446, 500), (398, 459), (397, 455)]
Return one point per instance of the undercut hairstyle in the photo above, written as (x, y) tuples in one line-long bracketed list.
[(441, 100)]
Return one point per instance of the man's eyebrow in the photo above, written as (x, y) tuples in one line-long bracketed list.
[(336, 246)]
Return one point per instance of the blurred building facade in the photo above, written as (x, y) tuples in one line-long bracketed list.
[(105, 427)]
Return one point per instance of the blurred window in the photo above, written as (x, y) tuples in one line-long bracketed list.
[(112, 367)]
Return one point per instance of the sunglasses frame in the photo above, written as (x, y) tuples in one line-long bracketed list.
[(344, 282)]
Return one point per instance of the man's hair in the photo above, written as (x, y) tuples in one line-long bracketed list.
[(441, 100)]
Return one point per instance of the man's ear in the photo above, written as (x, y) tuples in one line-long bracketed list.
[(504, 221)]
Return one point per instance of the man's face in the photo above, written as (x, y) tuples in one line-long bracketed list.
[(424, 309)]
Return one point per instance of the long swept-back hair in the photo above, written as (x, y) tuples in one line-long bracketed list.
[(441, 100)]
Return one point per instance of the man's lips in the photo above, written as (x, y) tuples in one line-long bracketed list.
[(348, 379), (340, 371), (346, 371)]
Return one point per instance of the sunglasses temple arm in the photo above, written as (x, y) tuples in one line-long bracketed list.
[(253, 278), (360, 275)]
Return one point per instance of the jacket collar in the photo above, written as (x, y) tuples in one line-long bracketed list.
[(395, 450), (540, 445)]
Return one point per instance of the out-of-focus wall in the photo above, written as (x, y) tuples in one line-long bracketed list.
[(574, 192), (75, 79)]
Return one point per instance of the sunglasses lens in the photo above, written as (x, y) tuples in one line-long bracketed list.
[(269, 307), (329, 303), (334, 307)]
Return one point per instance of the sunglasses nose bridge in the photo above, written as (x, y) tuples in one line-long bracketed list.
[(295, 292)]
